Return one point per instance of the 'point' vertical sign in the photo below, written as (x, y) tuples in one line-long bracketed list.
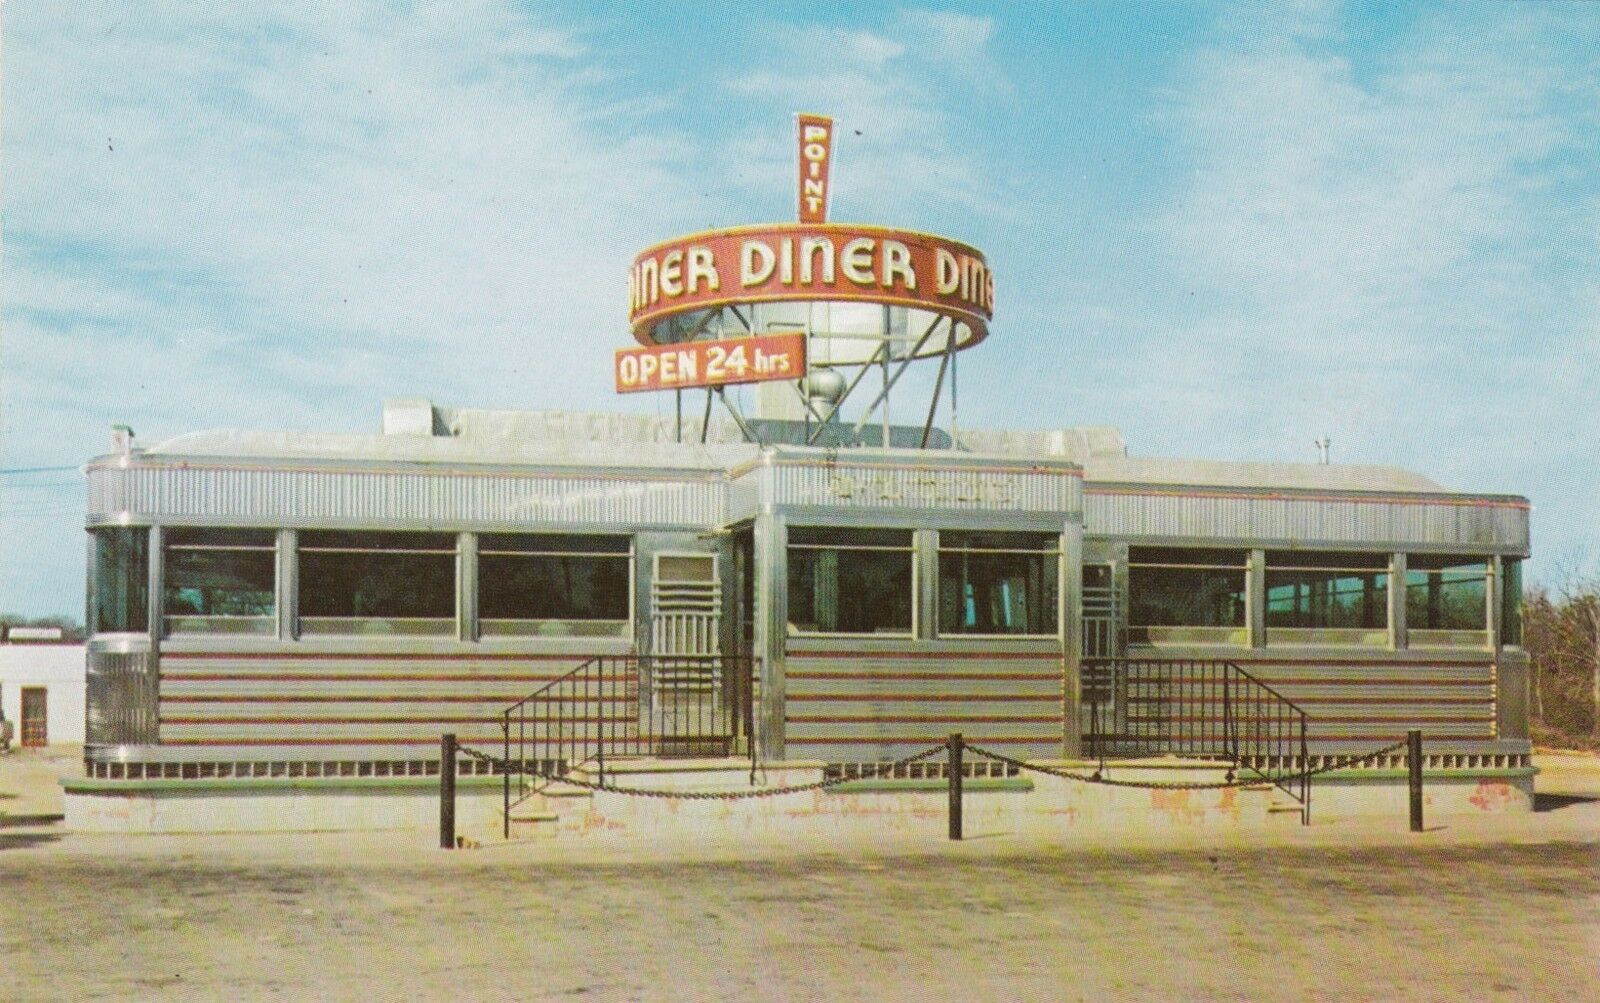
[(814, 134)]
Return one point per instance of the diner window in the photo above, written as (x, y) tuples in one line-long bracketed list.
[(851, 581), (377, 582), (1510, 601), (1307, 589), (998, 583), (1186, 587), (219, 581), (1446, 593), (553, 585), (121, 600)]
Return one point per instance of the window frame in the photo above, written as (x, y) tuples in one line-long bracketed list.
[(495, 629), (1484, 576), (368, 627), (910, 549), (1334, 564), (135, 587), (1053, 550), (265, 624), (1214, 633)]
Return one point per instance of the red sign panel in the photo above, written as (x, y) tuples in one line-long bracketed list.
[(814, 155), (799, 261), (711, 363)]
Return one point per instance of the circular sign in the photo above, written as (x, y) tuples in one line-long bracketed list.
[(825, 262)]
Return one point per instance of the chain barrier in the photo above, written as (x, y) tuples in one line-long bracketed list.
[(878, 771), (1343, 762), (766, 792)]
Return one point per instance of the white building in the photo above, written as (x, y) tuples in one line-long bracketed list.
[(42, 692)]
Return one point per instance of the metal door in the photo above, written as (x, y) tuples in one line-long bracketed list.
[(35, 717)]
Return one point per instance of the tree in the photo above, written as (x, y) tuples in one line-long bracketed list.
[(1562, 636)]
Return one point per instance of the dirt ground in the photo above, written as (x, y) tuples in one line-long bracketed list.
[(1505, 909)]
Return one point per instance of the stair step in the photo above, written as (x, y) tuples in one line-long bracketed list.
[(561, 790), (533, 816)]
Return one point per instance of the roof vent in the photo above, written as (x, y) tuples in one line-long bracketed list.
[(407, 416)]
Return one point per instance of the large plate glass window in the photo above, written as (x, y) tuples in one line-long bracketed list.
[(999, 583), (219, 581), (534, 584), (851, 581), (1187, 594), (121, 599), (1511, 601), (1342, 596), (1446, 596), (377, 582)]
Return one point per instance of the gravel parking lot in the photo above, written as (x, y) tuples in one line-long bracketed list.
[(1456, 913)]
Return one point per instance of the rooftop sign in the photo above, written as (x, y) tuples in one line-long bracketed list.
[(814, 158), (691, 293), (796, 261), (711, 363)]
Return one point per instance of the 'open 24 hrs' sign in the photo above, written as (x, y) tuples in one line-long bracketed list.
[(711, 363)]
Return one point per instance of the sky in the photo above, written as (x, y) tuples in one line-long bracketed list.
[(1228, 230)]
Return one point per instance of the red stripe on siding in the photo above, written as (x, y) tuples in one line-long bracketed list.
[(1010, 677), (925, 697), (990, 656), (363, 677), (370, 656), (923, 719)]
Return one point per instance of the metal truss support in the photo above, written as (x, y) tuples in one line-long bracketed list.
[(905, 364), (938, 388), (833, 411), (738, 418)]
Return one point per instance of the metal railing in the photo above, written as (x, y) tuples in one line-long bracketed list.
[(1205, 708), (630, 705)]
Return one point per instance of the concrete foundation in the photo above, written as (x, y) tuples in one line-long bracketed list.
[(1032, 803)]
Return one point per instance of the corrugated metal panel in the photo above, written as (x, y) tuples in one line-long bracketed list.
[(311, 496), (1498, 525), (960, 487), (880, 706), (298, 705), (1353, 705)]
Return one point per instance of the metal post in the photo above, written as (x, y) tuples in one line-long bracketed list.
[(1414, 765), (505, 776), (447, 792), (955, 785)]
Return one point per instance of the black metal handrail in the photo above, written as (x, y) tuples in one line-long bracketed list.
[(630, 705), (1205, 708)]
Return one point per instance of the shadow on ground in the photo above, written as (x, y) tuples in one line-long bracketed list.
[(1553, 802), (23, 840)]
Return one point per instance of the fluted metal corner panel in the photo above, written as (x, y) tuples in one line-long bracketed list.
[(448, 496), (957, 486), (1489, 524), (123, 698)]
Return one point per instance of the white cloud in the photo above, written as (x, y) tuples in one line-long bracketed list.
[(1379, 249), (903, 145), (277, 220)]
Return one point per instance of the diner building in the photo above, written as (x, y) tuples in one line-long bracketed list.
[(270, 605)]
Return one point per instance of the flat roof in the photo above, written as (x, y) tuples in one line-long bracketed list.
[(614, 439)]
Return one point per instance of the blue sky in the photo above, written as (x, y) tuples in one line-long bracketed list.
[(1226, 230)]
